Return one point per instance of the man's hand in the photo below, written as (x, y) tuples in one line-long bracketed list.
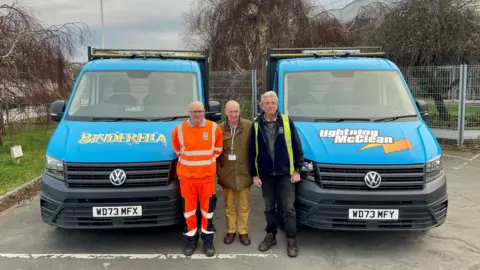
[(257, 181), (295, 177)]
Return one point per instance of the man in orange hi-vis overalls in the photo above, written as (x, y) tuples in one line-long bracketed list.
[(197, 142)]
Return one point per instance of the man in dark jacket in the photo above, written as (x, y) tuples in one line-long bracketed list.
[(275, 166)]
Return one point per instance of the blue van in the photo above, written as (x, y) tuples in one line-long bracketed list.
[(110, 162), (371, 162)]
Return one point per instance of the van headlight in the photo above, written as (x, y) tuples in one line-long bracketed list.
[(307, 166), (54, 167), (434, 168)]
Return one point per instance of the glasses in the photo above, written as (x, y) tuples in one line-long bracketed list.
[(197, 112)]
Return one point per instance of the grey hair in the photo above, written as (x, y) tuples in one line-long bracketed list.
[(268, 94)]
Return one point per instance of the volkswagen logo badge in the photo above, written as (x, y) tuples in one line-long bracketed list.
[(373, 179), (118, 177)]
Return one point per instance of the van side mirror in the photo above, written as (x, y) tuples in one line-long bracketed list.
[(57, 109), (423, 108), (215, 112)]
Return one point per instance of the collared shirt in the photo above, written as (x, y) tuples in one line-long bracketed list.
[(190, 124)]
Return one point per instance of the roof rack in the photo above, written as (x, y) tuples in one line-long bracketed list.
[(325, 52), (273, 55), (95, 53)]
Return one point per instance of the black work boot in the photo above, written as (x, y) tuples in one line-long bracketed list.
[(190, 245), (209, 249), (268, 242), (292, 249)]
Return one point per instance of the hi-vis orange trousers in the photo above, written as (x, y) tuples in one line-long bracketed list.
[(192, 192)]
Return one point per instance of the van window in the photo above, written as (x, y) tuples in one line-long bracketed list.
[(133, 94), (346, 94)]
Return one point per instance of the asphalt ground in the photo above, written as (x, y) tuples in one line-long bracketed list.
[(27, 243)]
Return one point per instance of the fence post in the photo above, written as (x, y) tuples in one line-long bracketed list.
[(462, 90), (254, 94)]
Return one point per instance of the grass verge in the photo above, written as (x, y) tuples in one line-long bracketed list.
[(472, 117), (33, 137)]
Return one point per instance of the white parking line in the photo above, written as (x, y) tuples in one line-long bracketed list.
[(468, 160), (464, 158), (131, 256)]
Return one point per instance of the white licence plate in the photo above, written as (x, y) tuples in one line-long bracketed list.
[(373, 214), (117, 211)]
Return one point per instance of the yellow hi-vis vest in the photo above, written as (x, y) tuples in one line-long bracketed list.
[(288, 141)]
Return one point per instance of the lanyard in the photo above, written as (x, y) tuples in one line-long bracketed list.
[(232, 131)]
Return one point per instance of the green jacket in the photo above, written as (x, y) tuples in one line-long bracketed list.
[(235, 174)]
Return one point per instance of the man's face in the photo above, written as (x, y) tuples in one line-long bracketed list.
[(197, 114), (232, 113), (270, 105)]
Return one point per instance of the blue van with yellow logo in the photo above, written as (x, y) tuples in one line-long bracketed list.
[(371, 162), (110, 162)]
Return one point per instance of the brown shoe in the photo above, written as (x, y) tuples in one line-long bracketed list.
[(244, 239), (229, 237)]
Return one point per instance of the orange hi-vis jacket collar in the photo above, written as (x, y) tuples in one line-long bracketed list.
[(197, 148)]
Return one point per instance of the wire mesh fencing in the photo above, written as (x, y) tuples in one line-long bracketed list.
[(453, 97), (234, 85)]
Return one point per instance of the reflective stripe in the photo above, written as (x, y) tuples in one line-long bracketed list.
[(197, 153), (180, 138), (191, 233), (207, 215), (206, 232), (197, 162), (189, 214), (288, 141), (214, 129)]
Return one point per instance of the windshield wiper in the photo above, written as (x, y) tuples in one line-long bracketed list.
[(393, 118), (169, 118), (341, 119), (118, 119)]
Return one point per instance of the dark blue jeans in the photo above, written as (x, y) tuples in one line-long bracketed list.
[(279, 190)]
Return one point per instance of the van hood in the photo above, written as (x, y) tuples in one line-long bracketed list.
[(368, 143), (112, 141)]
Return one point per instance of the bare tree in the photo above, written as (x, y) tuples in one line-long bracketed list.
[(423, 33), (33, 59), (237, 32)]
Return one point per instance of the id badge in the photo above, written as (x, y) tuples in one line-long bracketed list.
[(232, 157)]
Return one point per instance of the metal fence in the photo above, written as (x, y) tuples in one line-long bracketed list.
[(452, 93), (453, 96), (234, 85)]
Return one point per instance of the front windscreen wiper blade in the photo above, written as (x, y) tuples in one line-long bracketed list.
[(169, 118), (118, 119), (341, 119), (393, 118)]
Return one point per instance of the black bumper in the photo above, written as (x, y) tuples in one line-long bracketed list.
[(329, 209), (71, 208)]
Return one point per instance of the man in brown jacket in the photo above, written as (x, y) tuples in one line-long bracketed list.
[(233, 172)]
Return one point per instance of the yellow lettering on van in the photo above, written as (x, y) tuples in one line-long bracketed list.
[(128, 138)]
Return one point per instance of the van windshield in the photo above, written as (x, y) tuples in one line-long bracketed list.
[(347, 95), (132, 95)]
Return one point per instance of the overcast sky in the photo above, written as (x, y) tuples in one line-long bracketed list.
[(146, 24)]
